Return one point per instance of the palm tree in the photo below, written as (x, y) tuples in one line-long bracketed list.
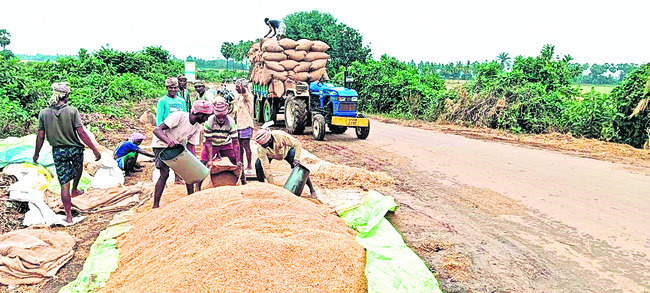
[(4, 38), (504, 60)]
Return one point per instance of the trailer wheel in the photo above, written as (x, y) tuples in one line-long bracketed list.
[(318, 127), (257, 112), (269, 111), (295, 114)]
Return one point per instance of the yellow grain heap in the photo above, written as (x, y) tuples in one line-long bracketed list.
[(337, 176), (252, 238)]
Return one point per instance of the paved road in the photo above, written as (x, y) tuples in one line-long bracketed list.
[(606, 200), (538, 219)]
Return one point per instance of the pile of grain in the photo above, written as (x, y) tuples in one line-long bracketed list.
[(278, 65), (337, 176), (251, 238)]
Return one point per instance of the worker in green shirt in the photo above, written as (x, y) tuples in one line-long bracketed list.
[(170, 102)]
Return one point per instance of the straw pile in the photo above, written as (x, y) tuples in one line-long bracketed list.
[(337, 176), (251, 238), (280, 64)]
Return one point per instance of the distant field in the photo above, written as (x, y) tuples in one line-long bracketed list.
[(585, 88), (454, 83), (601, 88)]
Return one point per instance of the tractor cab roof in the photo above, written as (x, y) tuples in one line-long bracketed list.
[(331, 90)]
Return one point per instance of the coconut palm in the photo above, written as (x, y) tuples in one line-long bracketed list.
[(4, 38), (504, 60)]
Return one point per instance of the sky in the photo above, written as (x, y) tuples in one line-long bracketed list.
[(437, 31)]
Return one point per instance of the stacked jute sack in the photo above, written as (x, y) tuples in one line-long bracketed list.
[(280, 64)]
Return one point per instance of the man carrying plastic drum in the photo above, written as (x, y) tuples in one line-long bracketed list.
[(178, 128)]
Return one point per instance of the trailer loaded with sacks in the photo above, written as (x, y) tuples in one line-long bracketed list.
[(288, 78)]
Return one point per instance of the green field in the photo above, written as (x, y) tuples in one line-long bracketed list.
[(584, 88), (601, 88)]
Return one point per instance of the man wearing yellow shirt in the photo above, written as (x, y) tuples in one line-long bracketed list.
[(277, 145)]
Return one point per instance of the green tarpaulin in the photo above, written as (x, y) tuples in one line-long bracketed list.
[(391, 266), (15, 150), (102, 259)]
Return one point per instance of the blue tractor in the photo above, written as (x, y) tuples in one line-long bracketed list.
[(326, 106)]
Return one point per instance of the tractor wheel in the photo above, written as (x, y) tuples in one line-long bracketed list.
[(338, 129), (258, 116), (318, 127), (295, 114), (269, 111), (362, 132)]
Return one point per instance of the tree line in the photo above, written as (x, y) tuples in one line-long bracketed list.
[(525, 94), (607, 73)]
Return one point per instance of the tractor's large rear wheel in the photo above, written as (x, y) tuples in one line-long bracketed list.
[(270, 111), (318, 127), (295, 114)]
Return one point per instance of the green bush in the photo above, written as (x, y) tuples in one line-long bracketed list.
[(100, 81), (391, 86), (631, 125)]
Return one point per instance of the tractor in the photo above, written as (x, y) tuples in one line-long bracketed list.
[(324, 105)]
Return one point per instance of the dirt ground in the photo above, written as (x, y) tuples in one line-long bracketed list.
[(472, 238)]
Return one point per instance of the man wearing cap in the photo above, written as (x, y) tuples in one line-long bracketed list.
[(202, 93), (221, 138), (244, 118), (126, 154), (277, 145), (178, 128), (62, 126), (183, 92), (170, 102)]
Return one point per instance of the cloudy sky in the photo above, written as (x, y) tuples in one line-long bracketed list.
[(438, 31)]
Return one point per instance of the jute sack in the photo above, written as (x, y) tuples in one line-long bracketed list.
[(302, 76), (270, 89), (311, 56), (266, 76), (271, 46), (282, 76), (287, 43), (304, 45), (275, 66), (270, 56), (316, 75), (325, 76), (255, 47), (317, 64), (303, 67), (296, 55), (291, 75), (319, 46), (263, 40), (278, 87), (289, 64), (288, 84)]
